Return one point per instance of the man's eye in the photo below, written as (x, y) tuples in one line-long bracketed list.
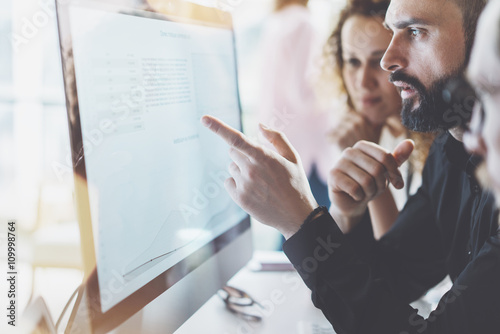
[(415, 32)]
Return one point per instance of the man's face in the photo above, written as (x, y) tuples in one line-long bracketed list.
[(483, 73), (427, 49)]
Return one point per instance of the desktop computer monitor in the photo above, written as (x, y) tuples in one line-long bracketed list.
[(156, 222)]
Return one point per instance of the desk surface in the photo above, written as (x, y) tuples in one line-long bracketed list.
[(284, 295)]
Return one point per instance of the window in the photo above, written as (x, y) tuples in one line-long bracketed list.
[(5, 43), (33, 126)]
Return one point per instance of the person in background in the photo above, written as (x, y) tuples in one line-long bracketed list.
[(287, 99), (352, 73), (483, 137)]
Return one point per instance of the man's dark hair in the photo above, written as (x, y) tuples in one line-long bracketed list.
[(471, 10)]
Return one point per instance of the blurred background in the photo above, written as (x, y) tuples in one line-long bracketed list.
[(36, 179)]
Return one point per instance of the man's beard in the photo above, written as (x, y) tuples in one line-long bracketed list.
[(433, 114)]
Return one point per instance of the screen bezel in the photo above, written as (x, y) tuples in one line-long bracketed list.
[(185, 12)]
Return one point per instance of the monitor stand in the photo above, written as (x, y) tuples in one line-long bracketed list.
[(173, 307)]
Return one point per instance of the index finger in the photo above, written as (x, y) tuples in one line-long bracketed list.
[(385, 158), (230, 135)]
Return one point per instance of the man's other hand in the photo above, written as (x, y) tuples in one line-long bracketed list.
[(362, 173)]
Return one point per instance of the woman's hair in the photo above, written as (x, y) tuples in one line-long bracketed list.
[(332, 80), (333, 62), (280, 4)]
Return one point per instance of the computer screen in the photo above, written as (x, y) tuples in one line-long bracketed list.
[(149, 177)]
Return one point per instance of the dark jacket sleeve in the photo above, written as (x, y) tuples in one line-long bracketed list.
[(410, 257), (355, 298)]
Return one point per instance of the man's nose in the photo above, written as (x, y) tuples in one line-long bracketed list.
[(394, 59)]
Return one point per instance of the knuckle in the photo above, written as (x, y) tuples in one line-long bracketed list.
[(334, 173), (382, 187), (266, 158), (378, 171), (340, 166), (279, 134), (275, 135), (360, 144), (237, 141), (337, 177), (348, 153), (252, 173), (259, 151), (387, 159), (367, 182), (233, 167), (215, 127), (356, 190)]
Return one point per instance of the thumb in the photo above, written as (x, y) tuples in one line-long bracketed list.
[(280, 143), (403, 151)]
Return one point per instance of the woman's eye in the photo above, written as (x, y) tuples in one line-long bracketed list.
[(375, 63), (354, 62)]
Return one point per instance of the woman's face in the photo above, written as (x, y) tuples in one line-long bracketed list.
[(364, 41)]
